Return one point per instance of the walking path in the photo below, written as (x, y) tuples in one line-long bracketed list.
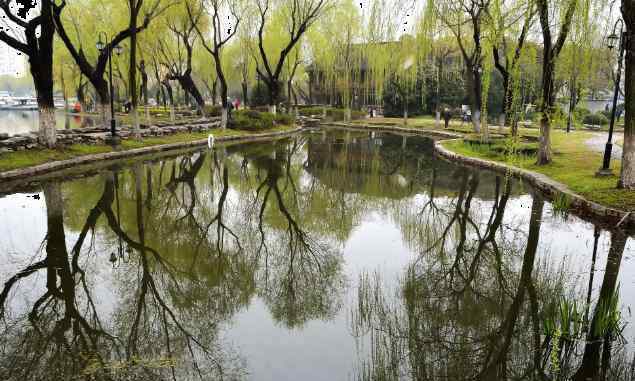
[(598, 144)]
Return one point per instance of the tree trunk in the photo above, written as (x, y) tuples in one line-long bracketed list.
[(214, 94), (474, 83), (590, 365), (224, 117), (187, 83), (274, 92), (544, 148), (245, 93), (627, 173), (46, 106), (132, 71)]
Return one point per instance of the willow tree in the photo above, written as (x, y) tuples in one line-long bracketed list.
[(576, 65), (239, 59), (405, 71), (31, 32), (507, 57), (466, 19), (335, 53), (384, 23), (135, 8), (176, 51), (300, 15), (65, 75), (627, 174), (83, 18), (550, 51), (221, 34)]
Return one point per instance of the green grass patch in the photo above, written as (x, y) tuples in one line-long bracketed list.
[(28, 158), (574, 164)]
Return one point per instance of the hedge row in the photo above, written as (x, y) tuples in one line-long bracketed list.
[(335, 114), (252, 120)]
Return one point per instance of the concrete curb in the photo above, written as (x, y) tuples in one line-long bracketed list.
[(40, 169), (441, 134)]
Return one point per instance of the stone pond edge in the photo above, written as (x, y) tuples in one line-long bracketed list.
[(21, 173), (544, 183)]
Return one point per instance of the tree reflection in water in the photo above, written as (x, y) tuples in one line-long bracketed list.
[(187, 273), (193, 240), (476, 305)]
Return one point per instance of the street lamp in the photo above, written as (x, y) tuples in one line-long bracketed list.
[(106, 43), (612, 41)]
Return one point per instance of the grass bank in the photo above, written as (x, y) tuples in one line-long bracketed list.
[(28, 158), (574, 165)]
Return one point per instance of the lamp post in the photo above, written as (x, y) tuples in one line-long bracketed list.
[(612, 40), (106, 43)]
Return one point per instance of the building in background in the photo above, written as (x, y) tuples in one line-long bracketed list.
[(11, 63)]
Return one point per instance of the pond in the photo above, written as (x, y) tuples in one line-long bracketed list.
[(24, 121), (334, 255)]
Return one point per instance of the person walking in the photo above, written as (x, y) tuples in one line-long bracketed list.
[(447, 115)]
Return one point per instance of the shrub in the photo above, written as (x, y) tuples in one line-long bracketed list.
[(284, 119), (308, 111), (252, 120), (261, 108), (595, 119), (337, 114), (580, 113), (212, 110)]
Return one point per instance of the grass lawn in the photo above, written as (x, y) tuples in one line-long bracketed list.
[(28, 158), (574, 165), (427, 122)]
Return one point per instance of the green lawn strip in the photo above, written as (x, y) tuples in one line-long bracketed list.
[(28, 158), (574, 165)]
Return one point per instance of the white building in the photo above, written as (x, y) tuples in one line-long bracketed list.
[(12, 62)]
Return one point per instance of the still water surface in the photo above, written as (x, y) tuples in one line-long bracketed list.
[(326, 256), (24, 121)]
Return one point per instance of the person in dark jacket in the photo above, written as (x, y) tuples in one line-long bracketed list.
[(447, 115)]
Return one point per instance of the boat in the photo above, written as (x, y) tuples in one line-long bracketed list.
[(19, 103)]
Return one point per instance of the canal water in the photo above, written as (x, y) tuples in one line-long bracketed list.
[(15, 122), (324, 256)]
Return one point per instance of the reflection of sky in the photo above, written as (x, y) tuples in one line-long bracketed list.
[(23, 229), (319, 350)]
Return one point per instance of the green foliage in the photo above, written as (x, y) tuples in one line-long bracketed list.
[(259, 95), (394, 95), (561, 205), (252, 120), (580, 112), (597, 119), (337, 114), (308, 111), (213, 110)]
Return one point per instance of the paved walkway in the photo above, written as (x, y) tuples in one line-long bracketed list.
[(598, 143)]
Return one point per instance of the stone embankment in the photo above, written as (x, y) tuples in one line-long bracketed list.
[(98, 135)]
